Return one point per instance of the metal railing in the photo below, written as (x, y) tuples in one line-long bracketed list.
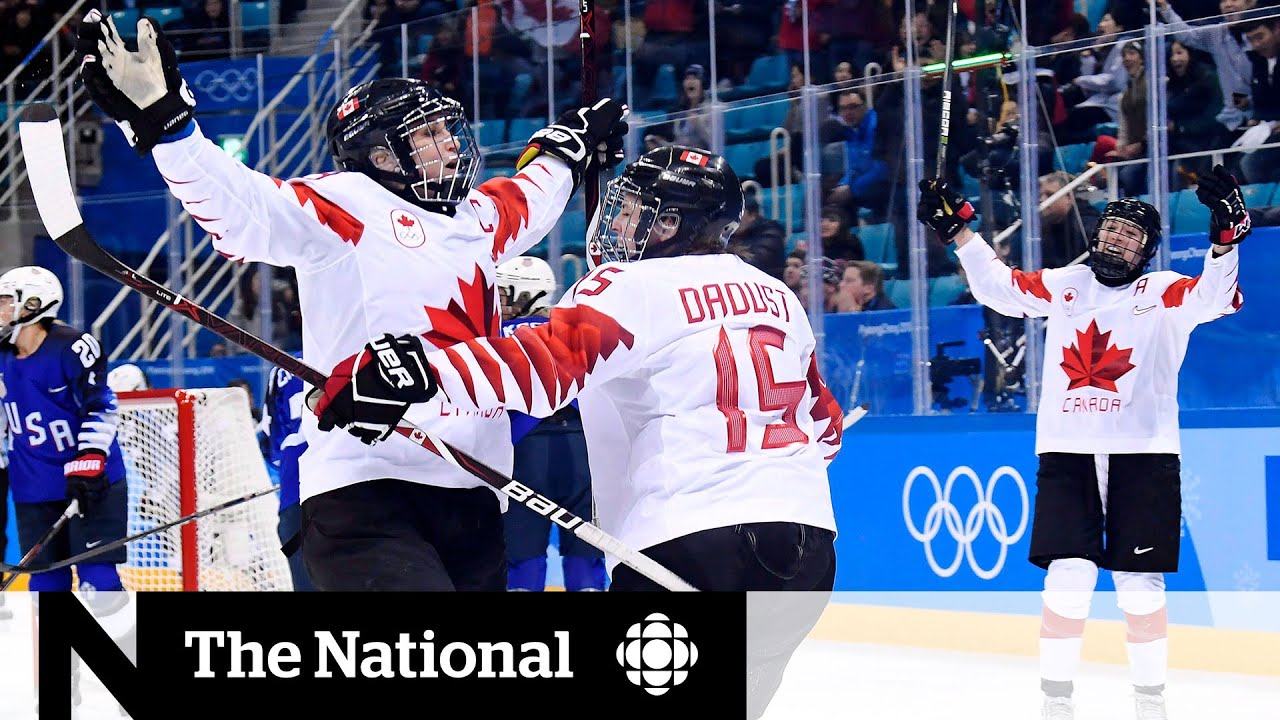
[(203, 275), (13, 174)]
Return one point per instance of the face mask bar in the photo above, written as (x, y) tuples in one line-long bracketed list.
[(449, 172), (623, 222), (1110, 257)]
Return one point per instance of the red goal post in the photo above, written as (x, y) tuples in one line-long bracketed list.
[(186, 450)]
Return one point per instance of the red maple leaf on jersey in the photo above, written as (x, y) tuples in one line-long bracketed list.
[(476, 316), (405, 220), (1090, 362)]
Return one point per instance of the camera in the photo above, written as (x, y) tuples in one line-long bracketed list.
[(944, 368)]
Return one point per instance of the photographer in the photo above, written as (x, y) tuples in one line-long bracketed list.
[(1065, 225)]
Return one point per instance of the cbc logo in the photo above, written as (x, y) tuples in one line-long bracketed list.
[(657, 654), (983, 515)]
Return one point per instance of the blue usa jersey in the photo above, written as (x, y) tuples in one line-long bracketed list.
[(282, 424), (57, 404), (521, 424)]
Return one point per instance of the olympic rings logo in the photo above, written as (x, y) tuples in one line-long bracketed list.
[(227, 85), (982, 515)]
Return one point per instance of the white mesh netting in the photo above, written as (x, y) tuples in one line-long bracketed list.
[(235, 549)]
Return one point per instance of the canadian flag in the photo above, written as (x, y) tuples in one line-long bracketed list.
[(696, 158), (351, 105)]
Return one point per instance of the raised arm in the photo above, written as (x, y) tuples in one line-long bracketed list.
[(250, 216), (551, 168), (1007, 291), (1216, 290)]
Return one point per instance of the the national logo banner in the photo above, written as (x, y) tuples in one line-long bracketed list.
[(332, 654)]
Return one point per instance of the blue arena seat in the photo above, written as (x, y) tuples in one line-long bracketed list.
[(878, 242), (944, 290), (256, 16)]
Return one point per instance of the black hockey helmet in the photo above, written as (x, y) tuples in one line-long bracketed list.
[(669, 201), (1114, 263), (436, 170)]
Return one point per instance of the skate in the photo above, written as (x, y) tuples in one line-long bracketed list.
[(1057, 708), (1149, 707)]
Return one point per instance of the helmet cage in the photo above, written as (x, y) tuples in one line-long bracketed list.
[(432, 180), (614, 241)]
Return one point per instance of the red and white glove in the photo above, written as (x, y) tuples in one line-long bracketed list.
[(86, 477), (368, 393)]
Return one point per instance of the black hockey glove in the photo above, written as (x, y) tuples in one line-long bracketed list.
[(1229, 221), (142, 91), (600, 127), (943, 209), (86, 478), (368, 393)]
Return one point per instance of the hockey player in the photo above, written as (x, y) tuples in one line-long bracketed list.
[(62, 416), (282, 424), (709, 428), (551, 453), (1107, 423), (694, 373), (128, 378), (397, 241)]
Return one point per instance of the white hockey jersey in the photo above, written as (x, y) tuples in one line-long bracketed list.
[(1111, 355), (369, 262), (700, 395)]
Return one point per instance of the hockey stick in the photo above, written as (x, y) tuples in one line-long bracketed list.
[(42, 147), (944, 136), (855, 415), (72, 510), (107, 547), (587, 19)]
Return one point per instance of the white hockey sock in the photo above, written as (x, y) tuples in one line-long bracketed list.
[(1149, 662), (1059, 658)]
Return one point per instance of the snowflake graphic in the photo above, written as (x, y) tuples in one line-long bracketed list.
[(1247, 579), (1190, 500)]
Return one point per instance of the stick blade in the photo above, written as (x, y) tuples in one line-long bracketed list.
[(44, 150), (855, 415)]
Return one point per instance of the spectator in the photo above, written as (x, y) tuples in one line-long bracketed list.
[(1260, 166), (861, 288), (838, 240), (865, 180), (1066, 66), (22, 24), (1194, 101), (1131, 142), (207, 33), (829, 130), (743, 29), (1229, 50), (1066, 225), (1094, 97), (793, 272), (445, 61), (832, 271), (855, 31), (790, 38), (759, 240), (675, 33), (693, 126)]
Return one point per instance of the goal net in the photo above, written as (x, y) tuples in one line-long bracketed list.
[(185, 451)]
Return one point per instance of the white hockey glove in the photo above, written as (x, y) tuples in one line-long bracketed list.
[(142, 91)]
